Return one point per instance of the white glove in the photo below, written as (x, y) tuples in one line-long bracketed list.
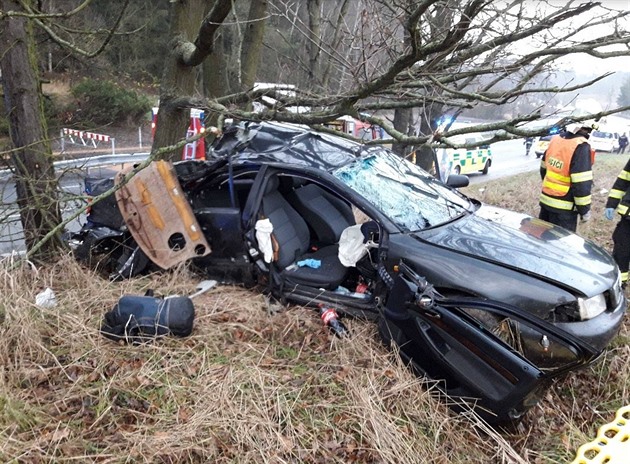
[(586, 217)]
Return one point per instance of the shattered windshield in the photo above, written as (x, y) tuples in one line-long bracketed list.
[(409, 196)]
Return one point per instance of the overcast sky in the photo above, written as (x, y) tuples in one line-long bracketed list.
[(583, 63)]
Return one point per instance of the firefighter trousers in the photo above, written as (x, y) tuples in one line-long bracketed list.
[(621, 247), (566, 219)]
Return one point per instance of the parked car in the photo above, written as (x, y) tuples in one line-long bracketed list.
[(492, 304), (601, 140)]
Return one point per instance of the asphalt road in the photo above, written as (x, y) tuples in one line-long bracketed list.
[(72, 186), (508, 159)]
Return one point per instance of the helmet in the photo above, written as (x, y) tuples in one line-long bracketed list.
[(589, 125)]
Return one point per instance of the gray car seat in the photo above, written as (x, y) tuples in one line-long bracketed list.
[(293, 238), (327, 215)]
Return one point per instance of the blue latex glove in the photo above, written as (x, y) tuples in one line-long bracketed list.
[(312, 263), (609, 213)]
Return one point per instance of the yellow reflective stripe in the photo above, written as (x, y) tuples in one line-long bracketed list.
[(543, 164), (560, 188), (555, 203), (624, 276), (625, 175), (618, 194), (558, 177), (582, 176), (622, 209), (582, 201)]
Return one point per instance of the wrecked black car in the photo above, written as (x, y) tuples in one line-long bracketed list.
[(492, 304)]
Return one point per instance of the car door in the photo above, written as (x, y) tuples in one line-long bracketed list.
[(500, 368)]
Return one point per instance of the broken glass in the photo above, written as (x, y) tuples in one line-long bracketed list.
[(406, 194)]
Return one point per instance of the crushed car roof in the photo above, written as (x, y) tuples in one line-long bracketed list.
[(287, 143)]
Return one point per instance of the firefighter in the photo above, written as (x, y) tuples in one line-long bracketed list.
[(619, 200), (566, 170)]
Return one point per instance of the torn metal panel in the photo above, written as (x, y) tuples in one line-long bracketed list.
[(159, 216)]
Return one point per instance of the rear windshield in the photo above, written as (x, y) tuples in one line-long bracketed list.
[(602, 135)]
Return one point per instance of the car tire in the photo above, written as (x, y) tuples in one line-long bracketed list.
[(486, 167)]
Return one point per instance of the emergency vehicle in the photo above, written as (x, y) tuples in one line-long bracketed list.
[(195, 149), (361, 130), (465, 160)]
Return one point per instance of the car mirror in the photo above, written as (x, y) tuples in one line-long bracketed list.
[(457, 181)]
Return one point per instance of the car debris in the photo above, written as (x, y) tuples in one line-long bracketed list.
[(492, 304), (140, 319), (46, 298)]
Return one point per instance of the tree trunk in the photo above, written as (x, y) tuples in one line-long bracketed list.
[(252, 43), (178, 79), (35, 181), (403, 122), (425, 155), (192, 38), (314, 44)]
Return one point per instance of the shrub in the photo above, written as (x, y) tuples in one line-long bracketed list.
[(104, 102)]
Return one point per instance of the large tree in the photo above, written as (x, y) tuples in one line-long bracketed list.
[(31, 157), (437, 56), (35, 181)]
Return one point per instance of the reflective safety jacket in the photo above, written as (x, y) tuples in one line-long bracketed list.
[(619, 196), (566, 170)]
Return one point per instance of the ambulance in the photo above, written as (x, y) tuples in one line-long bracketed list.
[(465, 160)]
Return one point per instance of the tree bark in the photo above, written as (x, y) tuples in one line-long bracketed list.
[(179, 78), (252, 43), (35, 181), (314, 36), (191, 42)]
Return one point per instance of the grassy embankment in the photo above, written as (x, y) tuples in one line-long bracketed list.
[(254, 384)]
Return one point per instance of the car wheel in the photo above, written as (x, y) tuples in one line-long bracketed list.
[(485, 168), (457, 170)]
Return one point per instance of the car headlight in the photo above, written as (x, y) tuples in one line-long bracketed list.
[(591, 307)]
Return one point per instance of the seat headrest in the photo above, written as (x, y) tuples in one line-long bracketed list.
[(272, 184)]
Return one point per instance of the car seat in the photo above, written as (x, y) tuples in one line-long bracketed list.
[(293, 239), (327, 215)]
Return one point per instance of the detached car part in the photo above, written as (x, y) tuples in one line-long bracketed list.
[(159, 216)]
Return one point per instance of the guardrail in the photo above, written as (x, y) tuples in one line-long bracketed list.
[(89, 162), (11, 239)]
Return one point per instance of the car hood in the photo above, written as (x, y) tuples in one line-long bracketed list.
[(529, 245)]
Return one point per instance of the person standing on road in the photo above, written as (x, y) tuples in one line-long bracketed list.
[(566, 170), (619, 200), (623, 143), (529, 141)]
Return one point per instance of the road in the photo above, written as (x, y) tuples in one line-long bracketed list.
[(72, 186), (508, 159)]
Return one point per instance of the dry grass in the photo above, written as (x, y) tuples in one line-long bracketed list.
[(254, 385)]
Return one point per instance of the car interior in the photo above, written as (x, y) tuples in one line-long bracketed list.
[(307, 220)]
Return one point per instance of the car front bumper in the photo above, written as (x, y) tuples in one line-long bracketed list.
[(599, 331)]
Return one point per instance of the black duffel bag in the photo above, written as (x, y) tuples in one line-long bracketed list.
[(138, 319)]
